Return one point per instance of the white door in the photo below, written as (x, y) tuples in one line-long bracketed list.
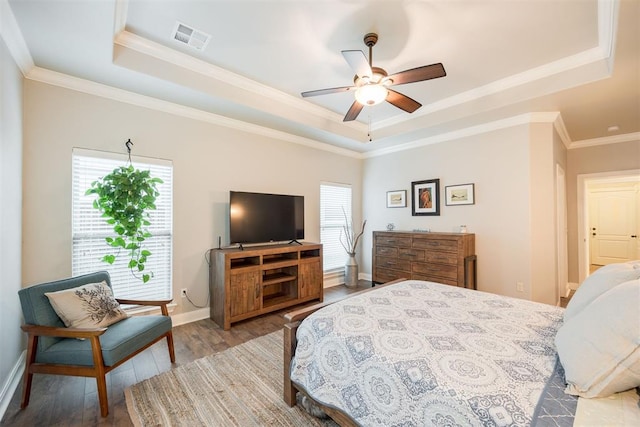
[(612, 228)]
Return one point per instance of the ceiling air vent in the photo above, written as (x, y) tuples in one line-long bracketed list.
[(190, 36)]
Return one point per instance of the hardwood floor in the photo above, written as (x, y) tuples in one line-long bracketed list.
[(72, 401)]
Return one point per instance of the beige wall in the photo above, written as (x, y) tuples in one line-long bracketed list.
[(498, 163), (10, 219), (593, 160), (208, 161), (543, 214)]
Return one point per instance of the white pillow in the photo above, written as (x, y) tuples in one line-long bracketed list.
[(87, 306), (599, 348), (602, 280)]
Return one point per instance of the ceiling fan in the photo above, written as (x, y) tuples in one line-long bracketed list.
[(372, 83)]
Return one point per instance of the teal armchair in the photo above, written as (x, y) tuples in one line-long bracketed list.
[(53, 348)]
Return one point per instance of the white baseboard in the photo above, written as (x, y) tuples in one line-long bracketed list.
[(10, 386), (190, 316), (572, 287)]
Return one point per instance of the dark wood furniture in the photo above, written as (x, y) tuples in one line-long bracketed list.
[(260, 279), (447, 258)]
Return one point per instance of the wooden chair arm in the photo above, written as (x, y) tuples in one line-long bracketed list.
[(50, 331), (158, 303), (143, 302)]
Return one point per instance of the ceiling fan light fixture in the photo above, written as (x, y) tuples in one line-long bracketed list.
[(371, 94)]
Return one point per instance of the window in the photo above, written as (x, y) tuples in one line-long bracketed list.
[(335, 203), (89, 229)]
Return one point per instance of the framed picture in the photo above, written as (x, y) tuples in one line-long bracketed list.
[(462, 194), (397, 199), (425, 197)]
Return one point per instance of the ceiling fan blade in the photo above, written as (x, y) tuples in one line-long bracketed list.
[(353, 112), (358, 62), (326, 91), (403, 102), (426, 72)]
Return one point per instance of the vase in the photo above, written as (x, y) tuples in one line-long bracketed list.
[(351, 272)]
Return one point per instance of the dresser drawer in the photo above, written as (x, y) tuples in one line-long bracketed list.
[(384, 275), (435, 244), (442, 257), (436, 279), (437, 270), (411, 254), (394, 263), (387, 251), (391, 240)]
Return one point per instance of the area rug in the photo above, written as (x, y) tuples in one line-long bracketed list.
[(241, 386)]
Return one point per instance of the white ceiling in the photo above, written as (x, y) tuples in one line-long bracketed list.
[(507, 61)]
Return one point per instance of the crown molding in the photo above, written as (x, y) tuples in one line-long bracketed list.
[(522, 119), (120, 17), (615, 139), (163, 53), (97, 89), (12, 36)]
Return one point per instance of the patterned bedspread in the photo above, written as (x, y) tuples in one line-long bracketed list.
[(420, 353)]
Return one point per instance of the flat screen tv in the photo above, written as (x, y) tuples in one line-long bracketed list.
[(262, 218)]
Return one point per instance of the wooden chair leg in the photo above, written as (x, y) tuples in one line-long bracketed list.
[(172, 353), (101, 381), (32, 345)]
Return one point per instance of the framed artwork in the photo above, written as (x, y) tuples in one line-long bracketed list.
[(397, 199), (462, 194), (425, 197)]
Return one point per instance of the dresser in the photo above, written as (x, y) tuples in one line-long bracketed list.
[(447, 258)]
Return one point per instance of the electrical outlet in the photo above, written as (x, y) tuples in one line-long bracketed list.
[(520, 287), (183, 292)]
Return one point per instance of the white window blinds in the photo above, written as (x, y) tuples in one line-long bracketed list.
[(335, 202), (89, 229)]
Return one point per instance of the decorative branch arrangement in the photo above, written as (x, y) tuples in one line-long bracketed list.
[(124, 197), (348, 238)]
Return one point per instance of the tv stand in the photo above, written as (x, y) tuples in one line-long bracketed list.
[(249, 282)]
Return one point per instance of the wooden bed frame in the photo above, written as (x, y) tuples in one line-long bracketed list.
[(294, 319)]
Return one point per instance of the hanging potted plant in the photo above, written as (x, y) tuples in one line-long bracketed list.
[(349, 240), (125, 196)]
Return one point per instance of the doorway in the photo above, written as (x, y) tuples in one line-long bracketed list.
[(608, 219)]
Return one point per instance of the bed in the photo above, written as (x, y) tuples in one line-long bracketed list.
[(412, 353)]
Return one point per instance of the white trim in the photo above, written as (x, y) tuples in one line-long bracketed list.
[(11, 384), (190, 316), (12, 36), (608, 11), (99, 154), (627, 137), (333, 278), (120, 17), (522, 119), (86, 86)]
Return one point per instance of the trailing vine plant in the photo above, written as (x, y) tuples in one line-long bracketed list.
[(125, 196)]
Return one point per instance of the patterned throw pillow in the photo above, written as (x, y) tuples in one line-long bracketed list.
[(87, 306)]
